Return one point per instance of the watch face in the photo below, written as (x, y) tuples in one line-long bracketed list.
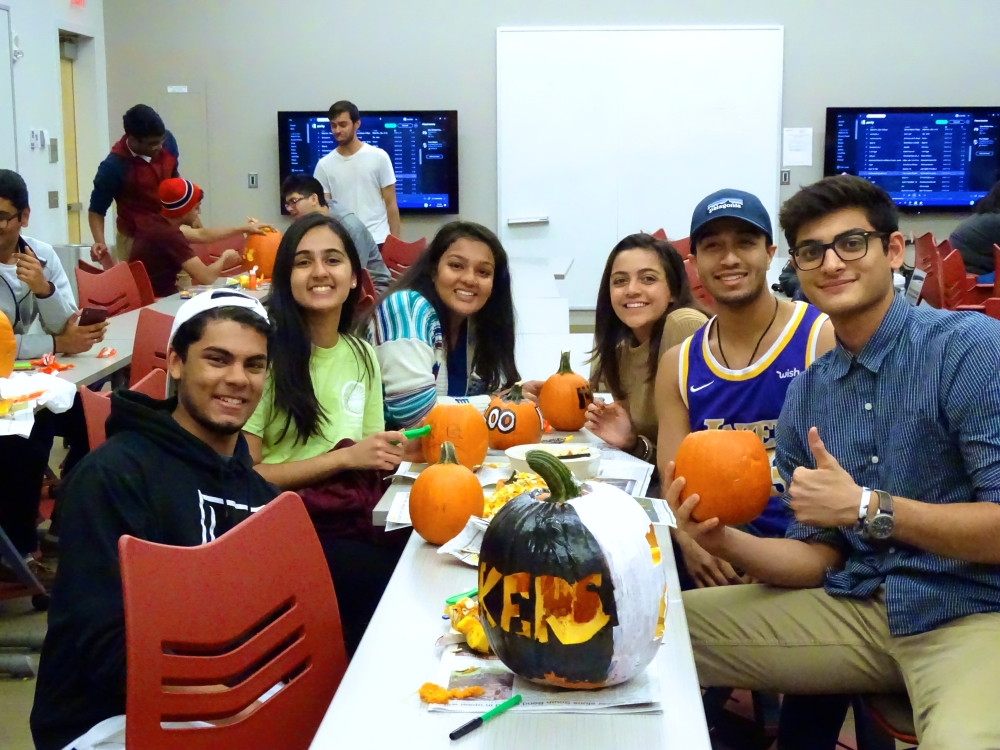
[(881, 526)]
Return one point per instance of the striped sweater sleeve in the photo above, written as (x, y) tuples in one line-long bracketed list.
[(407, 338)]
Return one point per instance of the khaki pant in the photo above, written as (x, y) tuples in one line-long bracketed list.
[(122, 248), (805, 641)]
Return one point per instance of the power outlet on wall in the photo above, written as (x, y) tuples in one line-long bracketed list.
[(252, 180), (786, 177)]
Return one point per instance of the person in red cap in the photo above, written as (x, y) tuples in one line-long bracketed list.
[(164, 250)]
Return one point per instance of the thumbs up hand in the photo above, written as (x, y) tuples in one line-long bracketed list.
[(827, 495)]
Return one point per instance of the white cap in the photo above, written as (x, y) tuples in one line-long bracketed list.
[(210, 300)]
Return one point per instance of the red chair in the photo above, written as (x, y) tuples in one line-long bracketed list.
[(88, 267), (209, 252), (399, 255), (368, 294), (694, 281), (992, 307), (924, 250), (242, 613), (682, 246), (142, 282), (97, 404), (660, 234), (149, 350), (115, 289)]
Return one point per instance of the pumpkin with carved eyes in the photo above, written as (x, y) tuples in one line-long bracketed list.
[(572, 591), (513, 420), (564, 397)]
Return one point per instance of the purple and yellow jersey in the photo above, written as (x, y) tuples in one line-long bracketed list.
[(718, 398)]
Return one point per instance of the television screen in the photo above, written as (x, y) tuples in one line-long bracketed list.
[(423, 146), (926, 158)]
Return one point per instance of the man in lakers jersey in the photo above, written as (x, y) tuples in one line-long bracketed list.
[(732, 374)]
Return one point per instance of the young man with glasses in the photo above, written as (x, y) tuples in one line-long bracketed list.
[(303, 195), (36, 297), (891, 447)]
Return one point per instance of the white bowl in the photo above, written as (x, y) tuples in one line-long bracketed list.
[(582, 468)]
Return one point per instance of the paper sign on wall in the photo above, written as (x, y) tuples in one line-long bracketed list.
[(177, 89), (797, 148)]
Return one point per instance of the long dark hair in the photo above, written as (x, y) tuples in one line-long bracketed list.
[(610, 332), (291, 346), (990, 203), (493, 359)]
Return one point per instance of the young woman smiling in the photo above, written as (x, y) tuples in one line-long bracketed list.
[(319, 429), (446, 328), (644, 306)]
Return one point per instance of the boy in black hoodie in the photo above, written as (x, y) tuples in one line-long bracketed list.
[(174, 472)]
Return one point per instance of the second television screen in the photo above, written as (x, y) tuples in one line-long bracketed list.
[(423, 147)]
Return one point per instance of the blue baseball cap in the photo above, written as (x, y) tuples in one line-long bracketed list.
[(738, 204)]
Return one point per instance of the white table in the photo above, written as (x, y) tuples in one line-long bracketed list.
[(120, 336), (377, 706)]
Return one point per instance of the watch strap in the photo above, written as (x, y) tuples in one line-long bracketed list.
[(866, 499)]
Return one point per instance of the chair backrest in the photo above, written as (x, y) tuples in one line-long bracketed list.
[(153, 385), (209, 252), (114, 290), (96, 410), (88, 267), (992, 307), (996, 267), (660, 234), (399, 255), (368, 294), (694, 281), (142, 282), (955, 282), (924, 250), (149, 350), (251, 609), (682, 246)]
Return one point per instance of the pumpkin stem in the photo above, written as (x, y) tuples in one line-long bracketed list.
[(559, 479), (515, 396), (564, 366), (448, 454)]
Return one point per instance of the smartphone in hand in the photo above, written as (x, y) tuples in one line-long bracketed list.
[(92, 315)]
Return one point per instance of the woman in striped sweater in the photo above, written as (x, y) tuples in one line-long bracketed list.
[(446, 328)]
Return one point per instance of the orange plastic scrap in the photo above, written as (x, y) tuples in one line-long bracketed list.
[(48, 365), (431, 693), (105, 352)]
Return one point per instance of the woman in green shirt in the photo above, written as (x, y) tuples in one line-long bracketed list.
[(319, 429)]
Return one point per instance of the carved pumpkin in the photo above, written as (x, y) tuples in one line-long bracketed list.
[(444, 497), (260, 252), (564, 398), (513, 420), (8, 346), (463, 426), (730, 472), (572, 591)]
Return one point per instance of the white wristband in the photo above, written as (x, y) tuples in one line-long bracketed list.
[(866, 498)]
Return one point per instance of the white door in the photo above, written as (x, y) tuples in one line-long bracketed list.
[(556, 147), (8, 132)]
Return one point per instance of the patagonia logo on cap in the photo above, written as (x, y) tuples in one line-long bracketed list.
[(725, 203)]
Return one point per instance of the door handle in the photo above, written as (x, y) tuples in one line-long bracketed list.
[(527, 221), (73, 207)]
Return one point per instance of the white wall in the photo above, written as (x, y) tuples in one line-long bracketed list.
[(254, 57), (38, 103)]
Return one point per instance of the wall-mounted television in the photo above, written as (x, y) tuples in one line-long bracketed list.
[(423, 146), (926, 158)]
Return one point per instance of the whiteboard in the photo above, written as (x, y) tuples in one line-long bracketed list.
[(8, 132), (602, 132)]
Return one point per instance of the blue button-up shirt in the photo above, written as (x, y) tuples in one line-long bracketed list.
[(916, 413)]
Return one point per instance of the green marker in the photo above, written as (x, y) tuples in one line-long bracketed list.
[(479, 721), (22, 365), (415, 433), (459, 597)]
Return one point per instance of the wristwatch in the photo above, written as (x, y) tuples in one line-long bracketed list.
[(881, 525)]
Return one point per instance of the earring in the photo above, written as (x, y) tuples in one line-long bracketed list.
[(354, 284)]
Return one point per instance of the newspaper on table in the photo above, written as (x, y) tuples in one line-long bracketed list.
[(467, 544), (398, 516), (461, 667), (488, 474)]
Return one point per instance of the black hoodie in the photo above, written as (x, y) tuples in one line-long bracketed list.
[(154, 480)]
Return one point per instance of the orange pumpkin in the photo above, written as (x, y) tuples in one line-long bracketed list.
[(564, 398), (8, 347), (260, 252), (444, 497), (513, 420), (729, 470), (463, 426)]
